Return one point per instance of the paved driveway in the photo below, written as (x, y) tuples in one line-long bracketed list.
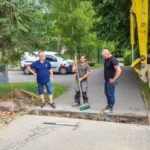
[(29, 133), (129, 100)]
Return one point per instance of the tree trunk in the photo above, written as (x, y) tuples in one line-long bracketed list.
[(3, 73)]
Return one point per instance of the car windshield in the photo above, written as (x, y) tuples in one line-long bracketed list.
[(33, 54), (60, 58)]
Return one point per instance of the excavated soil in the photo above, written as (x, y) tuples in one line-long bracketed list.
[(15, 102)]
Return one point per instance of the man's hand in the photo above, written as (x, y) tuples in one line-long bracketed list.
[(85, 76), (111, 80), (52, 79), (80, 79)]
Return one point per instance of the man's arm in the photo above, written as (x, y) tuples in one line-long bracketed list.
[(51, 74), (85, 76), (117, 73), (30, 70)]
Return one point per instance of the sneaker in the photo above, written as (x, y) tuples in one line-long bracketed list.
[(42, 105), (52, 105), (108, 111), (75, 104)]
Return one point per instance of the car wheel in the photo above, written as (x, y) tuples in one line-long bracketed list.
[(63, 70), (25, 71)]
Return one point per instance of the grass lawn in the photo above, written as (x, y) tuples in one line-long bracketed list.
[(29, 86)]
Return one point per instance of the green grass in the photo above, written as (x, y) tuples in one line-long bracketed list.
[(29, 86), (14, 64), (146, 91)]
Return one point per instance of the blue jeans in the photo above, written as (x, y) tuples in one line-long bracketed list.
[(110, 93), (48, 87)]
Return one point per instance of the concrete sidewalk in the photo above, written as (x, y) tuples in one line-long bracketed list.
[(129, 100), (29, 133)]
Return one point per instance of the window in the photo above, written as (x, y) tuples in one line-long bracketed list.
[(51, 58)]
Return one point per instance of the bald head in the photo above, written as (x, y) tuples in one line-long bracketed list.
[(106, 54)]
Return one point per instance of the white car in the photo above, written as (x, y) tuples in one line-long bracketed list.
[(58, 63)]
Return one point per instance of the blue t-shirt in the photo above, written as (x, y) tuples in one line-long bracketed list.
[(42, 71), (109, 70)]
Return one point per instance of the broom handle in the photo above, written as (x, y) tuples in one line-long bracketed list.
[(60, 123), (79, 84)]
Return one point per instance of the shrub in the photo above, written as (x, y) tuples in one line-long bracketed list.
[(127, 57), (91, 63)]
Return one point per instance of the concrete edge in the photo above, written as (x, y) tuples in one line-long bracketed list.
[(145, 102), (88, 113), (123, 118)]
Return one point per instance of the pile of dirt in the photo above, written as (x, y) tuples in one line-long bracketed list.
[(23, 94), (17, 99)]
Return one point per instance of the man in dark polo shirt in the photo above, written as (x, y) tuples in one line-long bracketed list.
[(41, 69), (112, 72)]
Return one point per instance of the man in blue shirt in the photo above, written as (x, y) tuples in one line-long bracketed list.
[(112, 72), (41, 69)]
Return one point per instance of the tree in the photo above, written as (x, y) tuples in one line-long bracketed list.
[(113, 21), (74, 21), (22, 26)]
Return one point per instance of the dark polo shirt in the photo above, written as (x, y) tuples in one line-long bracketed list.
[(42, 71), (109, 70)]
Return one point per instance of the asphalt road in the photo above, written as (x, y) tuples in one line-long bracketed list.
[(18, 76)]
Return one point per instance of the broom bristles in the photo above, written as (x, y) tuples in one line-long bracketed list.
[(84, 106)]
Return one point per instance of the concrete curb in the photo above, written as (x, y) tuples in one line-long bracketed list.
[(112, 117), (145, 102)]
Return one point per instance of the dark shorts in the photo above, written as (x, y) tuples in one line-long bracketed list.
[(48, 88)]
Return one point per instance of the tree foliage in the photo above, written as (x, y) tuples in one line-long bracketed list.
[(22, 26), (113, 21), (149, 30), (74, 21)]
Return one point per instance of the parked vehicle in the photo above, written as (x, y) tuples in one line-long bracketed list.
[(58, 63)]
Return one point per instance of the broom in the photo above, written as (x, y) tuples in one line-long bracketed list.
[(82, 105)]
